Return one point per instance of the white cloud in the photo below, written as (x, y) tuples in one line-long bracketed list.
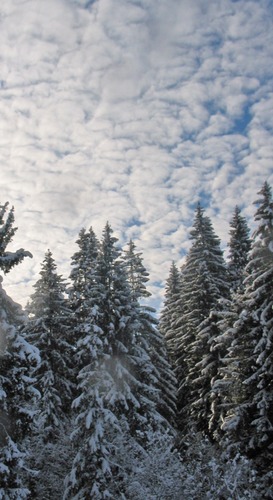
[(130, 112)]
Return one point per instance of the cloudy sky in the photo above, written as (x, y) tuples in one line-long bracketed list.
[(131, 111)]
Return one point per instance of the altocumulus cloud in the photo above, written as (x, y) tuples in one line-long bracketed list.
[(131, 112)]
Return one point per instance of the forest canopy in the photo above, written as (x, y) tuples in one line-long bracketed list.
[(100, 399)]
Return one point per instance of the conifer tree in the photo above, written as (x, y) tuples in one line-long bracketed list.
[(95, 422), (171, 313), (203, 283), (131, 327), (149, 337), (83, 292), (49, 330), (228, 311)]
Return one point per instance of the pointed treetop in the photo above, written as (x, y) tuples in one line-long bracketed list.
[(48, 265), (264, 217), (84, 259), (202, 229), (109, 252), (173, 281), (239, 248), (136, 272)]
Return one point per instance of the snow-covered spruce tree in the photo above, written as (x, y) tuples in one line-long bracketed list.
[(149, 337), (123, 321), (171, 312), (250, 420), (16, 386), (223, 383), (137, 275), (113, 401), (95, 423), (227, 313), (203, 284), (82, 294), (49, 330), (82, 263), (104, 382), (239, 248)]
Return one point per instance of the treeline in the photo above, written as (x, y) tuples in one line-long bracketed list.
[(86, 387), (218, 323), (98, 400)]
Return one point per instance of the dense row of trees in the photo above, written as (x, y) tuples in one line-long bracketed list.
[(218, 323), (93, 384), (98, 400)]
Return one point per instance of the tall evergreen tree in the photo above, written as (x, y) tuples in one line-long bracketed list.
[(204, 282), (171, 312), (95, 423), (49, 330), (150, 337), (223, 383), (82, 294)]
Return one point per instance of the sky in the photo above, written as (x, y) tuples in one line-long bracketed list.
[(131, 112)]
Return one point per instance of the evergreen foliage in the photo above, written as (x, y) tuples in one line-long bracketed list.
[(117, 391), (149, 337), (171, 313), (239, 248), (48, 329), (228, 310), (136, 273), (203, 284)]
